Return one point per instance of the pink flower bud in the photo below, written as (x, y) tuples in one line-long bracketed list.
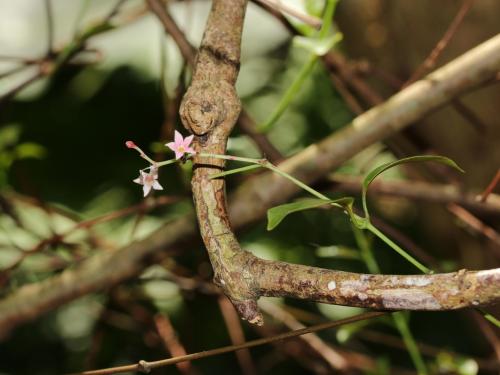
[(130, 144)]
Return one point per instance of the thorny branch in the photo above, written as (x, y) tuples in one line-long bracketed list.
[(250, 202)]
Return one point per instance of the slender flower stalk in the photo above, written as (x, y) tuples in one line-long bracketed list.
[(132, 145)]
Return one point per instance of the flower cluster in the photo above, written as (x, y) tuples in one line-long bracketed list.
[(149, 180)]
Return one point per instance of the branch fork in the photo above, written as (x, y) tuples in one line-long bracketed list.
[(209, 110)]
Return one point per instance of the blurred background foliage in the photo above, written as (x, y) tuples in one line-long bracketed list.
[(63, 160)]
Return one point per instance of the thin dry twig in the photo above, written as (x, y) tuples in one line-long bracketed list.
[(487, 193), (476, 224), (233, 324), (430, 61), (227, 349), (171, 342), (334, 359)]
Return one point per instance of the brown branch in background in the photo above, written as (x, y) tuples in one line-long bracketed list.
[(233, 324), (407, 243), (229, 349), (418, 190), (20, 86), (171, 342), (469, 115), (55, 60), (430, 61), (248, 126), (335, 360), (186, 49), (58, 238), (476, 224), (251, 200), (349, 99), (487, 193)]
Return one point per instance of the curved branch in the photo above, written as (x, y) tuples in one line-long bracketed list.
[(210, 109), (251, 200)]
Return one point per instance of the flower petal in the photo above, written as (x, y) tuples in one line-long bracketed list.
[(138, 180), (146, 189), (171, 145), (178, 138), (178, 154), (157, 186), (188, 140)]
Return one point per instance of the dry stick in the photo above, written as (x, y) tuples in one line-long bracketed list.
[(86, 224), (233, 324), (187, 51), (286, 317), (147, 366), (475, 223), (469, 115), (349, 99), (246, 122), (488, 332), (251, 200), (487, 193), (430, 61), (171, 342), (333, 358)]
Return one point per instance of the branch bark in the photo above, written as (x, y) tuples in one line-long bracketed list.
[(258, 194)]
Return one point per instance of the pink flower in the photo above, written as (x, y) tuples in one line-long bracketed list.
[(181, 145), (148, 181)]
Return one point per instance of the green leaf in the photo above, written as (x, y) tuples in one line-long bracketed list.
[(276, 214), (412, 159), (318, 46), (30, 150)]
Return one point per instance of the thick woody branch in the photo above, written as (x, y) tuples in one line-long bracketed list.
[(255, 196), (446, 291), (210, 109)]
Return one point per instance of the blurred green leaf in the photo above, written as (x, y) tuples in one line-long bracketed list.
[(317, 46), (9, 135), (30, 150), (276, 214), (334, 251), (450, 363)]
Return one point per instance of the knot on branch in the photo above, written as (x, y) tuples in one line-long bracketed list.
[(210, 104)]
